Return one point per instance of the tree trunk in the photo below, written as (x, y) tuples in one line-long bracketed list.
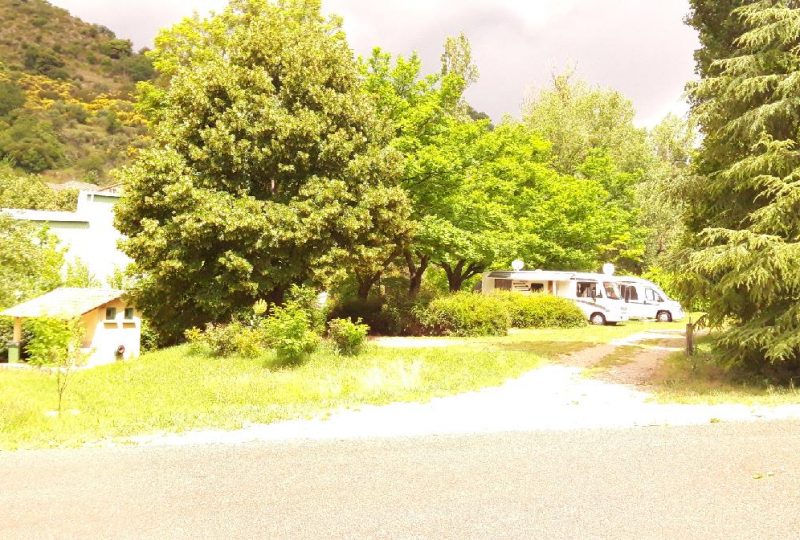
[(365, 285), (415, 272), (458, 274)]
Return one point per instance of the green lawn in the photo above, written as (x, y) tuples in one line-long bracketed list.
[(173, 390), (700, 381)]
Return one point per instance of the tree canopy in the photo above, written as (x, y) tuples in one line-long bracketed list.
[(269, 165)]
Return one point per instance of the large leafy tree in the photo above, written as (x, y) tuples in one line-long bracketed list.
[(593, 136), (743, 207), (579, 120), (673, 141), (269, 166), (433, 132)]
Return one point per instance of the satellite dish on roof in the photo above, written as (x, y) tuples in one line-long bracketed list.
[(518, 265), (609, 269)]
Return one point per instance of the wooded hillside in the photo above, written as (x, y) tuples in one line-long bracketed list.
[(66, 106)]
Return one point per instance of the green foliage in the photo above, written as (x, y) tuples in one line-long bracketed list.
[(542, 311), (150, 340), (57, 343), (743, 203), (349, 337), (44, 62), (466, 314), (30, 261), (305, 298), (139, 67), (288, 330), (117, 48), (19, 190), (232, 339), (579, 119), (79, 275), (49, 70), (53, 341), (11, 97), (31, 144), (264, 172)]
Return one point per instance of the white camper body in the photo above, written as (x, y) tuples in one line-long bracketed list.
[(597, 295), (646, 300)]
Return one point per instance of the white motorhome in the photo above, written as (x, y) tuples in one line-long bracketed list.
[(597, 295), (646, 300)]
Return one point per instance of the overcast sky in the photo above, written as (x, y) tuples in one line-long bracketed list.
[(640, 47)]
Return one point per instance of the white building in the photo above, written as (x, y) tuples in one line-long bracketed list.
[(111, 326), (87, 234)]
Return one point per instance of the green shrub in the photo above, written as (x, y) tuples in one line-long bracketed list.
[(31, 144), (542, 311), (289, 331), (233, 339), (305, 298), (370, 311), (348, 336), (150, 339), (466, 314), (11, 97), (392, 313)]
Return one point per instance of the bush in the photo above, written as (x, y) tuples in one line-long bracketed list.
[(150, 340), (348, 336), (31, 144), (385, 316), (466, 314), (305, 298), (233, 339), (289, 331), (542, 311)]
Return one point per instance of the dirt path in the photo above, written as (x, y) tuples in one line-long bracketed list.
[(639, 357), (601, 387)]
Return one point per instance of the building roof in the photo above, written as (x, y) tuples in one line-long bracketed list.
[(63, 303), (50, 216), (548, 275)]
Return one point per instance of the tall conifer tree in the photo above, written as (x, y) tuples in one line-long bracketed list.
[(743, 204)]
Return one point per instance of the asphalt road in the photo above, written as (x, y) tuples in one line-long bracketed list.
[(680, 482)]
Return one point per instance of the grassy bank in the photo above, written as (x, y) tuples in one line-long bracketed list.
[(700, 380), (173, 390)]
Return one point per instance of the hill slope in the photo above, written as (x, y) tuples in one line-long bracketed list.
[(66, 89)]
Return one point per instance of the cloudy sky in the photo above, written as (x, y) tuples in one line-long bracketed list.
[(640, 47)]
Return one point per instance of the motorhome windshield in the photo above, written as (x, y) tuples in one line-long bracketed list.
[(612, 290)]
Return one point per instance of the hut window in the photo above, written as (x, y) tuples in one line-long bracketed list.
[(111, 313), (129, 313)]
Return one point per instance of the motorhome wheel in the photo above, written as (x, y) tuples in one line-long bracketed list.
[(664, 316), (597, 319)]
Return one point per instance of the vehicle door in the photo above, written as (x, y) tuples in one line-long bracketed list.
[(634, 295), (653, 302)]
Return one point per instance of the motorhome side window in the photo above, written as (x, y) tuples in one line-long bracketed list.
[(652, 295), (588, 289), (632, 294), (611, 291), (502, 284)]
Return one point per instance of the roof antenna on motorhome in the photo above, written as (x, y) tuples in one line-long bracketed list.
[(518, 265), (609, 269)]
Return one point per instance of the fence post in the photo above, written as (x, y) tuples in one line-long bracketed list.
[(689, 339)]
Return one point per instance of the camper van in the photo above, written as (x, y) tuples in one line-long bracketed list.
[(597, 295), (646, 300)]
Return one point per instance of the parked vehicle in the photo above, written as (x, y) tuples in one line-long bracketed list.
[(646, 300), (597, 295)]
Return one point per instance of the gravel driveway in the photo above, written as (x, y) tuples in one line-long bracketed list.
[(554, 397)]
